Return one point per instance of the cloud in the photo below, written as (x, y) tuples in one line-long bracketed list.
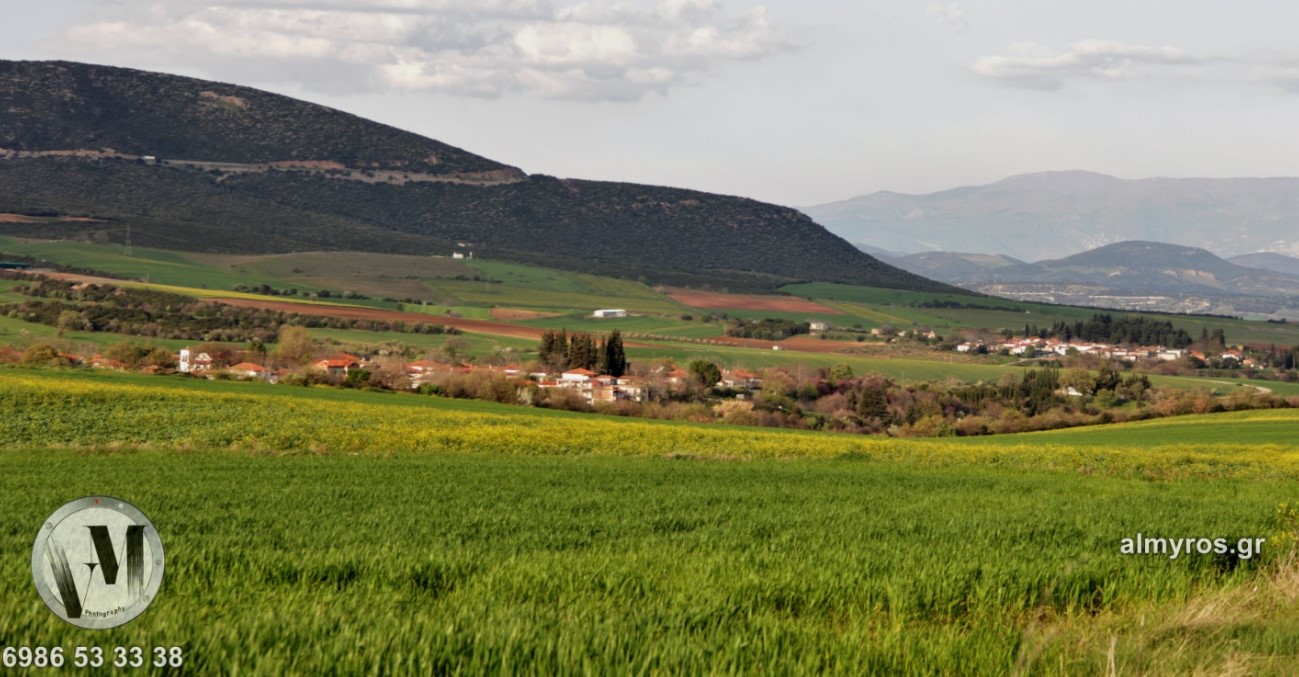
[(1034, 67), (947, 14), (483, 48)]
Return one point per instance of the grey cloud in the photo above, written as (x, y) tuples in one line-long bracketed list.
[(1033, 67), (482, 48), (951, 13)]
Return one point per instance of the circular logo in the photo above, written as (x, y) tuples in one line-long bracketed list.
[(97, 562)]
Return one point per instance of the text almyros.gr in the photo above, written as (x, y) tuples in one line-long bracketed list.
[(1172, 548)]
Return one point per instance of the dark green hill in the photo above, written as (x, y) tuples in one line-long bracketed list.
[(62, 106), (213, 188)]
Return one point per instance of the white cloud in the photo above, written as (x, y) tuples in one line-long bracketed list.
[(947, 14), (486, 48), (1035, 67)]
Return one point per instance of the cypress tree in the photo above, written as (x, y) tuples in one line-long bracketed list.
[(614, 360)]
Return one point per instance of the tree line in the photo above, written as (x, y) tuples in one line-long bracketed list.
[(1105, 328), (604, 355), (768, 329), (70, 306)]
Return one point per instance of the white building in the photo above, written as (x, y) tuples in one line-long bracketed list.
[(609, 312), (193, 363)]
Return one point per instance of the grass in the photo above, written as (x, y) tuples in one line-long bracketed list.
[(156, 265), (476, 345), (895, 307), (544, 288), (468, 312), (79, 408), (524, 286), (1272, 428), (650, 324), (901, 369), (403, 547)]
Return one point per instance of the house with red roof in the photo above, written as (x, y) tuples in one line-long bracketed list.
[(247, 370), (338, 365)]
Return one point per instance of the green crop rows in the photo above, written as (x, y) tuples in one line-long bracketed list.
[(316, 531)]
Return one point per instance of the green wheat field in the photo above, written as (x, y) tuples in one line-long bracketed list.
[(316, 531)]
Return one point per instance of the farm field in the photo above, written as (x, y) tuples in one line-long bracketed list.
[(158, 265), (520, 335), (897, 305), (502, 307), (317, 530), (505, 284), (474, 345)]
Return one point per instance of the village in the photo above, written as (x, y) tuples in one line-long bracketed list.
[(589, 385), (1037, 347)]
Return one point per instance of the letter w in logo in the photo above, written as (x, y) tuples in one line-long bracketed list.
[(108, 563)]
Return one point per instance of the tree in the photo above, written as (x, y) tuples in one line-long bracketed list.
[(453, 349), (1107, 379), (553, 352), (294, 345), (256, 351), (841, 372), (704, 373), (871, 400), (159, 357), (43, 353), (613, 358), (1080, 380), (581, 352), (1218, 340), (126, 352), (71, 320)]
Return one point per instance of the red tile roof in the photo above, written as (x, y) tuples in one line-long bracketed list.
[(337, 363)]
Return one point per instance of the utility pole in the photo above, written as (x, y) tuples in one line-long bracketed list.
[(127, 249)]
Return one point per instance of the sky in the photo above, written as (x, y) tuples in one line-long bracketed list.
[(797, 102)]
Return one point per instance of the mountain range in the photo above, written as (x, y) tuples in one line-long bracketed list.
[(1150, 275), (1052, 215), (98, 152), (1279, 263)]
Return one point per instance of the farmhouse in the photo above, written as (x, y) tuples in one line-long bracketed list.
[(597, 388), (740, 379), (247, 370), (190, 362), (609, 312), (338, 365), (674, 376)]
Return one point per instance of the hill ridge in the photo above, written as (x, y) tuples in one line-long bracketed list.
[(212, 167)]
